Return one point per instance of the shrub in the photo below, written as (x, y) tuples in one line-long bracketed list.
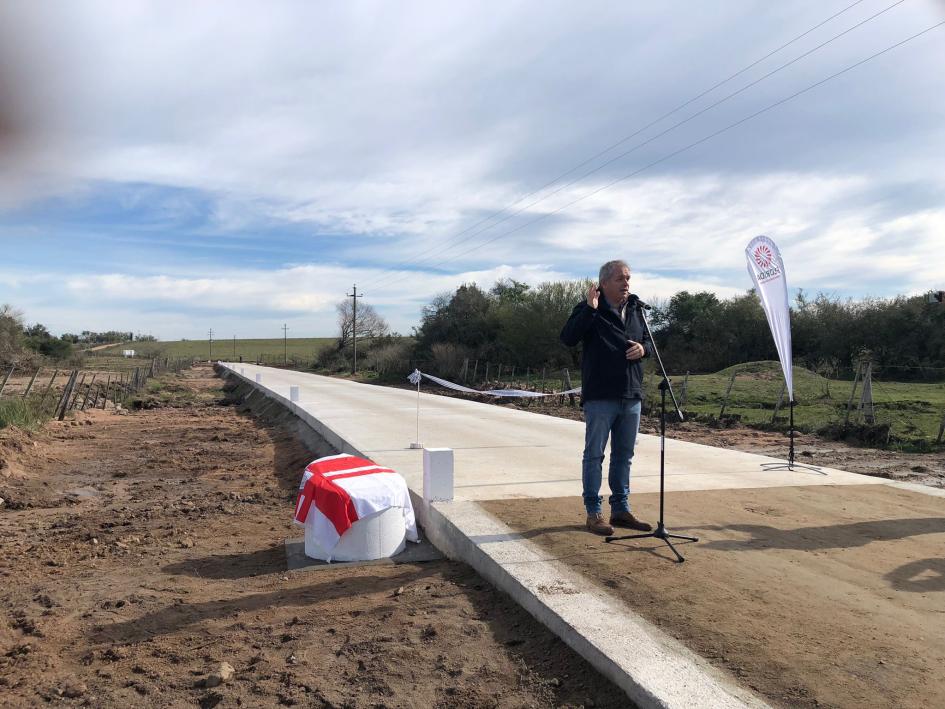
[(390, 359), (332, 359), (448, 358)]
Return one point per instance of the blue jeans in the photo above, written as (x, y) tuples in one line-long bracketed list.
[(619, 419)]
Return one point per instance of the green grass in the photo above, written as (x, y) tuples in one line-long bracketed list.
[(913, 411), (24, 413), (271, 350)]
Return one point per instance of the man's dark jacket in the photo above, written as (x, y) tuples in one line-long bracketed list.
[(605, 371)]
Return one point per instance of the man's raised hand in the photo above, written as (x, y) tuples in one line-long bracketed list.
[(592, 295)]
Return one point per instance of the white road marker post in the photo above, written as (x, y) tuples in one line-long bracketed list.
[(415, 378), (438, 474)]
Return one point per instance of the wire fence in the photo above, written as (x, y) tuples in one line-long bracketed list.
[(55, 392)]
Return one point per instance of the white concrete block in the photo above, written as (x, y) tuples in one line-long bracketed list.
[(258, 378), (438, 474), (293, 393)]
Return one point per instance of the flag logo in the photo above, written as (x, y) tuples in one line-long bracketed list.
[(763, 256)]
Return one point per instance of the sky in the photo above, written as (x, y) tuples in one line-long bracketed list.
[(171, 167)]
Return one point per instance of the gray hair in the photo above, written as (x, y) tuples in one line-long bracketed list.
[(608, 269)]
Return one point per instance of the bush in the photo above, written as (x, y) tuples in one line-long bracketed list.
[(390, 359), (448, 358), (331, 359)]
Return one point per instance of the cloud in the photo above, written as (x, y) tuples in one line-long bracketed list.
[(199, 161)]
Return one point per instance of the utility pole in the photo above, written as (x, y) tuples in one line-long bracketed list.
[(211, 344), (234, 348), (354, 326), (285, 345)]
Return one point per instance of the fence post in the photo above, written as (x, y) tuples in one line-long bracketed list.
[(48, 387), (6, 379), (856, 378), (108, 381), (684, 392), (542, 379), (465, 368), (77, 389), (866, 396), (30, 385), (487, 372), (88, 392), (476, 370), (98, 391), (66, 394), (567, 385), (498, 377), (777, 407), (728, 391)]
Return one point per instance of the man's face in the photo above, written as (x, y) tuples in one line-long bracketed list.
[(617, 287)]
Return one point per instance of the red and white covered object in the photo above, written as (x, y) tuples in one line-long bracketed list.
[(353, 509)]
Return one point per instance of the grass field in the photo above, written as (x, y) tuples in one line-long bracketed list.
[(300, 348), (914, 411)]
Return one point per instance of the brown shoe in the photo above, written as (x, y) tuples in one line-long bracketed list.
[(597, 525), (628, 521)]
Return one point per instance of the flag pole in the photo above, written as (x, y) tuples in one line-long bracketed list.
[(416, 375)]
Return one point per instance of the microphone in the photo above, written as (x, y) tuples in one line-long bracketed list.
[(635, 301)]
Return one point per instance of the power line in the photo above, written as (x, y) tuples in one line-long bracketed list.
[(700, 141), (650, 125), (448, 247)]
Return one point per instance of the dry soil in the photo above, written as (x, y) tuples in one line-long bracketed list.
[(140, 550), (811, 596)]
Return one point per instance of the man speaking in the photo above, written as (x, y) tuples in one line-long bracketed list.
[(610, 326)]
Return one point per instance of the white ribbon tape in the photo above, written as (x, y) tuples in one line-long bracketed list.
[(414, 378)]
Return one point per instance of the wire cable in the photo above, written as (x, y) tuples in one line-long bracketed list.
[(702, 140), (682, 122), (646, 127), (447, 247)]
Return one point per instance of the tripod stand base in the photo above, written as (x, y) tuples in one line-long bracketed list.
[(658, 533), (790, 466)]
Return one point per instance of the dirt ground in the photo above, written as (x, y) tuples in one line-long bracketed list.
[(806, 612), (139, 551)]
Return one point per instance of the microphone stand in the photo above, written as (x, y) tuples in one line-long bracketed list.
[(660, 532)]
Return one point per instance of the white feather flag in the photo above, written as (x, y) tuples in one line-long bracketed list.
[(767, 271)]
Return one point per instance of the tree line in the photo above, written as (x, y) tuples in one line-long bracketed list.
[(519, 325), (22, 343)]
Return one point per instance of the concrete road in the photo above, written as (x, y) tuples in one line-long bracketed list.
[(501, 452)]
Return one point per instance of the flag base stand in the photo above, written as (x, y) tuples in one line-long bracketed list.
[(416, 445), (791, 465)]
